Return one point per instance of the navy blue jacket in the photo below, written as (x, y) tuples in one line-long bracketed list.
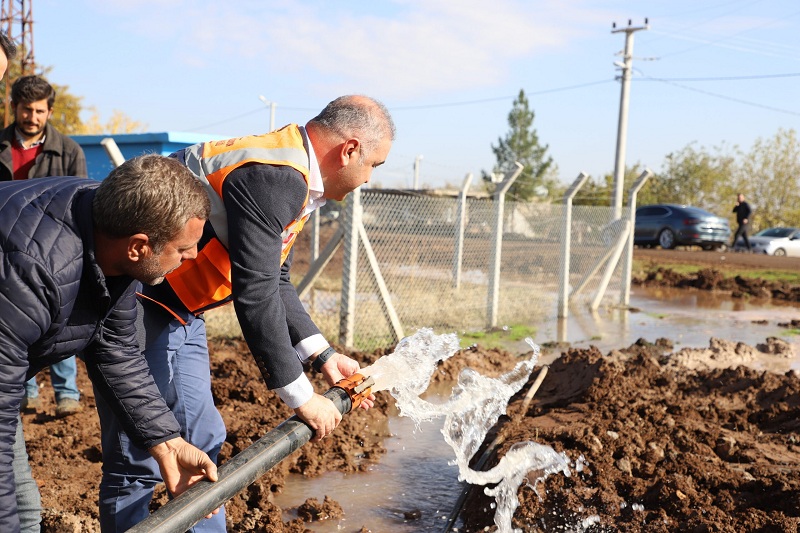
[(55, 302)]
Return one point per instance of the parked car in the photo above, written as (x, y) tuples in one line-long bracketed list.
[(773, 241), (670, 225)]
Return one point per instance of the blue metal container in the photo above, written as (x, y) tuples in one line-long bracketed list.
[(132, 144)]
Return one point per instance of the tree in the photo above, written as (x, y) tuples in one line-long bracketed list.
[(68, 108), (66, 111), (693, 176), (600, 192), (521, 144), (770, 179), (118, 123), (594, 192)]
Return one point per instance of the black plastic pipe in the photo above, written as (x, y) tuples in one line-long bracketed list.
[(198, 501)]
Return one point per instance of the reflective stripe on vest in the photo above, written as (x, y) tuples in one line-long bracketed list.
[(205, 282)]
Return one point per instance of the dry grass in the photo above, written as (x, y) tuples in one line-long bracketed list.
[(439, 307)]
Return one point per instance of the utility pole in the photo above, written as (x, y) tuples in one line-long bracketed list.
[(622, 128), (272, 106), (18, 14), (416, 172)]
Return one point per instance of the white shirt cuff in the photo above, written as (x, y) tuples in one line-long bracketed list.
[(310, 345), (297, 392)]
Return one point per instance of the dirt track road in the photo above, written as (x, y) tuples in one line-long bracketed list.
[(718, 260)]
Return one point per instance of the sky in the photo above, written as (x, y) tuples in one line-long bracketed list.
[(718, 73)]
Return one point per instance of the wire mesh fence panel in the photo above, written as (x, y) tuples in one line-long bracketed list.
[(594, 236), (414, 239)]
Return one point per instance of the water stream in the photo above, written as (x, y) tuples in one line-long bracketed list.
[(416, 484), (472, 409)]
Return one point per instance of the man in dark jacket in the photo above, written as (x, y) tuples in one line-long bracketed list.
[(743, 212), (31, 147), (71, 251)]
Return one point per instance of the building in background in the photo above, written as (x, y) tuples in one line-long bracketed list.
[(99, 163)]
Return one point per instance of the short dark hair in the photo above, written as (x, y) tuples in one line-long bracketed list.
[(32, 88), (8, 46), (149, 194)]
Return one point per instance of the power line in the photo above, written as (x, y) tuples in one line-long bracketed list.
[(498, 98), (260, 109), (710, 7), (452, 104), (535, 93), (730, 98), (422, 106), (739, 44), (728, 37), (726, 78), (700, 23)]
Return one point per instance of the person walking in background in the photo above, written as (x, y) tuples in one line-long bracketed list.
[(71, 252), (32, 148), (263, 189), (743, 212)]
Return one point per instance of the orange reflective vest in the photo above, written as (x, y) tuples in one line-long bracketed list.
[(205, 282)]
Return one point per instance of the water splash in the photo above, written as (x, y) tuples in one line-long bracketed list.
[(407, 372), (473, 408)]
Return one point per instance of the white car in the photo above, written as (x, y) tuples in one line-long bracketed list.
[(774, 241)]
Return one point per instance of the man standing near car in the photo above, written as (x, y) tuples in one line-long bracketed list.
[(743, 211)]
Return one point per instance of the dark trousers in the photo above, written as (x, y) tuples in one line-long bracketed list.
[(741, 231)]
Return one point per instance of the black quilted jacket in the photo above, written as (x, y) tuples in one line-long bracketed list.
[(54, 302)]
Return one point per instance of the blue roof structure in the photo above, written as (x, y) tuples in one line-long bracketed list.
[(99, 163)]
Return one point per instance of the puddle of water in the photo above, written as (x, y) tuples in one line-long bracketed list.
[(688, 318), (414, 476), (474, 405)]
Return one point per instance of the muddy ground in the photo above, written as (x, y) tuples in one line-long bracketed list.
[(713, 274), (674, 440), (701, 443), (690, 442)]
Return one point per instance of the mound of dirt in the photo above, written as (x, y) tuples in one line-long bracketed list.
[(684, 442), (711, 279), (672, 442)]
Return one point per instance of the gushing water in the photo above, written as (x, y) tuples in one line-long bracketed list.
[(473, 408)]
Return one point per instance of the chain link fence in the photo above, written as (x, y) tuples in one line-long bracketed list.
[(417, 264)]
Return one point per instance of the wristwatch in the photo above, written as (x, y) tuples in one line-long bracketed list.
[(322, 358)]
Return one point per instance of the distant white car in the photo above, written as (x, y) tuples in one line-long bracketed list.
[(774, 241)]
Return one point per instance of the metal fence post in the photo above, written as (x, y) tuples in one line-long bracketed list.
[(627, 263), (612, 263), (497, 245), (461, 222), (566, 245), (347, 311)]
